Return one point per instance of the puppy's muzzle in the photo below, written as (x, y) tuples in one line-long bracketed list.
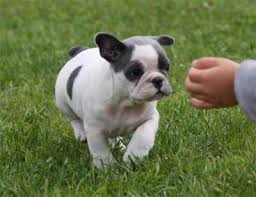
[(158, 82), (162, 85)]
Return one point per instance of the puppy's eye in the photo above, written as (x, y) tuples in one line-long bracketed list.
[(134, 72)]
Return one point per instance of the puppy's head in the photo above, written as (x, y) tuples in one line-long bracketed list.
[(140, 64)]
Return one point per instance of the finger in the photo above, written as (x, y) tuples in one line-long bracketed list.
[(206, 62), (205, 97), (200, 97), (193, 88), (202, 104), (196, 75)]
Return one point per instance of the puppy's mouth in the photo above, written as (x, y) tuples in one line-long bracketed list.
[(158, 95), (153, 95)]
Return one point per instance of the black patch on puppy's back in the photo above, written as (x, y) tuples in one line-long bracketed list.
[(71, 81), (75, 50)]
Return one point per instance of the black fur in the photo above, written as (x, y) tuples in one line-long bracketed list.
[(71, 80), (133, 71), (75, 50)]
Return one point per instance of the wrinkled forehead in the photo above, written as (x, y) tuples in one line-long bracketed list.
[(143, 49), (147, 48), (145, 53)]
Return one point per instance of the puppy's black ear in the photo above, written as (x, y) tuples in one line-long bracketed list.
[(110, 47), (164, 40)]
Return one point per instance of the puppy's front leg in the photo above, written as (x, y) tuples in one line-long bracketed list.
[(98, 146), (142, 140)]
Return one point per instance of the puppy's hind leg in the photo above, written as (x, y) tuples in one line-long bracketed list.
[(63, 106), (79, 131), (76, 123)]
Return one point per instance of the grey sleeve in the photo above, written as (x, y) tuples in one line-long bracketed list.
[(245, 88)]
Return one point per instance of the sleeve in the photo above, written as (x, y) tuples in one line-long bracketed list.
[(245, 88)]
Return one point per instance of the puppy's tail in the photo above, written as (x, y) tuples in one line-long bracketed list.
[(76, 49)]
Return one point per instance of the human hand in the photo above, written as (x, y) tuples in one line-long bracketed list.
[(210, 82)]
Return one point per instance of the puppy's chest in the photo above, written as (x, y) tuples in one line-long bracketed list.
[(122, 121)]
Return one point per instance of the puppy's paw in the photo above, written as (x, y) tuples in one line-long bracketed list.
[(102, 163), (79, 131), (80, 135), (135, 156)]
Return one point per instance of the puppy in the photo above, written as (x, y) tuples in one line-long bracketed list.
[(112, 90)]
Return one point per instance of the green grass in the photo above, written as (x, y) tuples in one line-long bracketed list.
[(199, 153)]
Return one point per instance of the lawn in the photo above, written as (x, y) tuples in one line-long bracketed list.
[(197, 153)]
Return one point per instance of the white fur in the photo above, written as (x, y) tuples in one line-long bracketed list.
[(101, 107), (145, 53)]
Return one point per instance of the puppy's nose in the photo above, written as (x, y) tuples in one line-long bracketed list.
[(158, 82)]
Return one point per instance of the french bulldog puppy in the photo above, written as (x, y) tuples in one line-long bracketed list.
[(112, 90)]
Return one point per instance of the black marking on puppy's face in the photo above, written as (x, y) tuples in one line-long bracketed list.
[(163, 63), (155, 42), (71, 81), (133, 71), (124, 60)]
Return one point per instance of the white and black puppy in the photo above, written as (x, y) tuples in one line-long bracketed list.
[(112, 90)]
